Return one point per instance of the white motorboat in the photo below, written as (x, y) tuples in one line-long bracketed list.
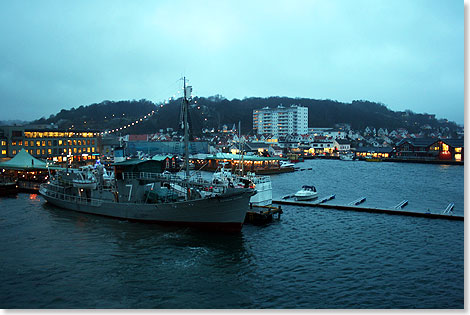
[(284, 164), (306, 193)]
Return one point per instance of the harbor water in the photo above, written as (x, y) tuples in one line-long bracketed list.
[(310, 258)]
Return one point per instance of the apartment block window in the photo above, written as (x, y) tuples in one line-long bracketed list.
[(14, 151), (38, 151), (49, 151), (4, 152), (49, 143), (60, 142), (4, 142), (43, 143), (43, 152), (31, 143), (26, 143)]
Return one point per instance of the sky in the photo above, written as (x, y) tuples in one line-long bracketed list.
[(406, 54)]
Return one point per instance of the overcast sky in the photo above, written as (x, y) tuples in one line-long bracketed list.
[(407, 54)]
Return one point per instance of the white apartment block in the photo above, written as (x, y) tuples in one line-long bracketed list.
[(281, 121)]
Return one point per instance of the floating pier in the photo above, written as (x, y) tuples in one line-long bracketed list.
[(352, 207), (262, 214)]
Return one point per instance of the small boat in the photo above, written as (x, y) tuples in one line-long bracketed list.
[(261, 184), (306, 193), (347, 156), (285, 164), (8, 188)]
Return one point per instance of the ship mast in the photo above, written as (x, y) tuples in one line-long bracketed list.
[(186, 96)]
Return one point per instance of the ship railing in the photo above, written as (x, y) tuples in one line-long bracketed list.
[(198, 181), (68, 197)]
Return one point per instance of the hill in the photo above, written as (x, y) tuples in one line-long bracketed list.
[(215, 111)]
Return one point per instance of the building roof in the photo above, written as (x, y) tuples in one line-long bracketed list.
[(418, 142), (456, 143), (228, 156), (162, 157)]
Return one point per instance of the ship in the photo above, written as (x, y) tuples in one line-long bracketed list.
[(162, 198)]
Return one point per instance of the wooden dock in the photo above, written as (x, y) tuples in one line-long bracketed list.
[(258, 215), (352, 207)]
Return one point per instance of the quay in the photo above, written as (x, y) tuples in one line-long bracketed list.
[(263, 215), (352, 207)]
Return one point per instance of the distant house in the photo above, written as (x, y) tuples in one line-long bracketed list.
[(343, 145), (138, 137)]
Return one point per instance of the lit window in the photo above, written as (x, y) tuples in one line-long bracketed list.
[(26, 143), (31, 143), (458, 150), (14, 151), (4, 152), (74, 142), (43, 143), (60, 142), (93, 149), (20, 142), (49, 151), (13, 143), (4, 142), (38, 151), (43, 152), (49, 143), (74, 150)]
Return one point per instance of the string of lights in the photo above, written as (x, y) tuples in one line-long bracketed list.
[(145, 117)]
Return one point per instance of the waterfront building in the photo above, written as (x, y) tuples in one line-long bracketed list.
[(281, 121), (374, 152), (53, 144), (251, 163), (430, 149), (343, 145)]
